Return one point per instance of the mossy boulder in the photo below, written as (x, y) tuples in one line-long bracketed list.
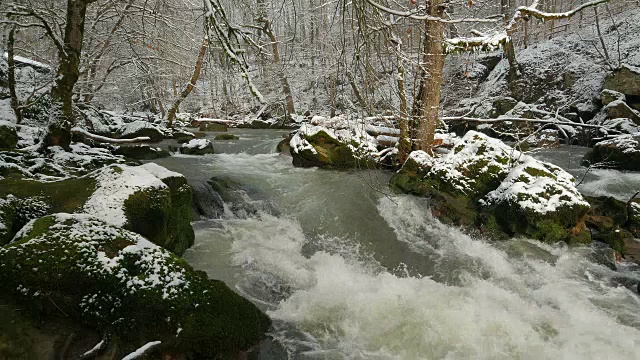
[(226, 137), (486, 185), (141, 152), (8, 135), (149, 200), (22, 200), (317, 146), (622, 152), (212, 126), (197, 147), (117, 282)]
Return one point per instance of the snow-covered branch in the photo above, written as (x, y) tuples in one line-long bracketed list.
[(542, 15), (477, 43), (417, 16)]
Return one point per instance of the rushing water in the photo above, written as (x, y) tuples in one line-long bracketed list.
[(348, 270)]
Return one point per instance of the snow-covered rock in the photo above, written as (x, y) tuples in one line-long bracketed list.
[(148, 199), (338, 142), (620, 109), (484, 183), (117, 282), (141, 128), (197, 147), (625, 80), (621, 152)]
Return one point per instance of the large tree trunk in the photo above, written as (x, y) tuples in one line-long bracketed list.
[(428, 105), (192, 83), (15, 103), (509, 49), (61, 116)]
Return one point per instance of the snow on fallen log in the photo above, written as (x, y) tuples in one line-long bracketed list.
[(141, 351), (381, 130), (104, 139)]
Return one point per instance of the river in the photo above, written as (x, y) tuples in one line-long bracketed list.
[(349, 270)]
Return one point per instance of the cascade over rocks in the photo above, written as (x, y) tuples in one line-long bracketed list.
[(483, 183), (115, 281)]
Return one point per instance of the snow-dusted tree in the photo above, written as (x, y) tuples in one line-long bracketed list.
[(498, 29)]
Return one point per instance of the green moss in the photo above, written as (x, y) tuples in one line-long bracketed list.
[(63, 196), (145, 294), (163, 215)]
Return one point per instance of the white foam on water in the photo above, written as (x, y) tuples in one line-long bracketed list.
[(619, 184), (499, 307)]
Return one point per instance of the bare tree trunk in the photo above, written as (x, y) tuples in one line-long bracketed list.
[(432, 77), (267, 29), (192, 83), (509, 49), (356, 91), (332, 94), (61, 116), (404, 145), (15, 102)]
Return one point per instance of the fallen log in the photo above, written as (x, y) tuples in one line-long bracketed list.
[(108, 140)]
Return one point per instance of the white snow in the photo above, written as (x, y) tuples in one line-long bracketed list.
[(199, 144), (115, 185), (138, 353), (530, 183), (159, 171)]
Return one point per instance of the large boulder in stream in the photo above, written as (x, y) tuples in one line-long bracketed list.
[(621, 152), (116, 282), (483, 183), (197, 147), (330, 148)]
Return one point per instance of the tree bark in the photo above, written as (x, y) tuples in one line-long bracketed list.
[(15, 102), (404, 143), (431, 78), (267, 29), (192, 83), (61, 117)]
